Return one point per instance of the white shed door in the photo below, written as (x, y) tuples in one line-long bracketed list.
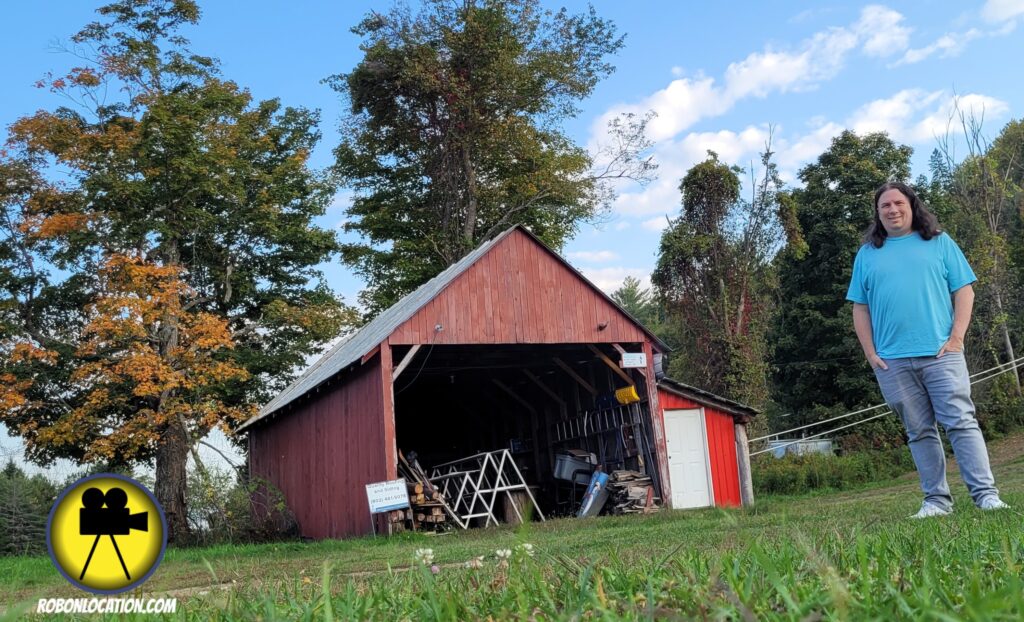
[(687, 459)]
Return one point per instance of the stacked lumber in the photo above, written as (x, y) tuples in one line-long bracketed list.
[(428, 505), (631, 492)]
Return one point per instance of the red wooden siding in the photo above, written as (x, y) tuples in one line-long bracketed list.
[(518, 293), (721, 447), (322, 455)]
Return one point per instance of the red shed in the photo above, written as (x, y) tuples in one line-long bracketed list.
[(510, 347)]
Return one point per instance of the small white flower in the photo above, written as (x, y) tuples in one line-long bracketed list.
[(503, 553), (476, 562), (526, 549), (425, 556)]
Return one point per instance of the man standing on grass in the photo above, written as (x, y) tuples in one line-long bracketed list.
[(913, 337)]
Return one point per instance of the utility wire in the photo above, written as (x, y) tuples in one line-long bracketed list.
[(1010, 366), (1013, 363)]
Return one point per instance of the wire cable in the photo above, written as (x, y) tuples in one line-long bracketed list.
[(1013, 366)]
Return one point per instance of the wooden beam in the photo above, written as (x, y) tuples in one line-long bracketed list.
[(544, 388), (504, 387), (405, 361), (576, 377), (369, 355), (619, 348), (610, 363)]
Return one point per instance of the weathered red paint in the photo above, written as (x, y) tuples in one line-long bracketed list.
[(322, 455), (725, 477), (518, 292), (324, 449)]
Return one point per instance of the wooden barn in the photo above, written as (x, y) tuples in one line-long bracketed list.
[(508, 349)]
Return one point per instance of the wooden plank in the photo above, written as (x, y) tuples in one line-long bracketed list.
[(586, 385), (369, 355), (405, 362), (611, 364), (544, 387)]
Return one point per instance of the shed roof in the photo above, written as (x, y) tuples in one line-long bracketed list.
[(707, 398), (351, 350)]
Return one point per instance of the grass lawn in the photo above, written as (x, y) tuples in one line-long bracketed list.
[(851, 555)]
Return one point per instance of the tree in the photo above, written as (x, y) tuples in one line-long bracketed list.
[(163, 285), (638, 302), (715, 280), (818, 362), (24, 505), (985, 190), (453, 134)]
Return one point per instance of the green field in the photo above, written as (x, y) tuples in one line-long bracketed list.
[(841, 556)]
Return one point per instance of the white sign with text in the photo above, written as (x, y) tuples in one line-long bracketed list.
[(387, 496), (633, 359)]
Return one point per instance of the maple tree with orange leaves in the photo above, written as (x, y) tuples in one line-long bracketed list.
[(158, 256)]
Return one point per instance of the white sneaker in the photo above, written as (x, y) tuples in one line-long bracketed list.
[(930, 510), (993, 503)]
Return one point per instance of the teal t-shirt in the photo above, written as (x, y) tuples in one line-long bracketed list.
[(906, 285)]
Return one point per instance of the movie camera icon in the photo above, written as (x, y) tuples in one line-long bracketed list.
[(112, 520)]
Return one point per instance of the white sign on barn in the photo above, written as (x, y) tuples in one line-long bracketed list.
[(387, 496), (633, 359)]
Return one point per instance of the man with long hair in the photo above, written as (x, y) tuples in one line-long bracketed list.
[(913, 337)]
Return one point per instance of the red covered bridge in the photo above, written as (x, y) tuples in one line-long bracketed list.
[(508, 348)]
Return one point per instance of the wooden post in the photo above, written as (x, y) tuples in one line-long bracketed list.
[(657, 430), (743, 465)]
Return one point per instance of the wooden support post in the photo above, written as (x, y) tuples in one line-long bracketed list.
[(743, 465), (611, 364), (405, 361), (583, 383)]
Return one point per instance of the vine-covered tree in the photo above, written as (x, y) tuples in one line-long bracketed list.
[(162, 285), (715, 280), (454, 134), (818, 361)]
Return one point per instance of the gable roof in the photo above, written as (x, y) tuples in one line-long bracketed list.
[(707, 398), (351, 350)]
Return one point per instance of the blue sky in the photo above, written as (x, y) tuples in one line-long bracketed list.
[(717, 74)]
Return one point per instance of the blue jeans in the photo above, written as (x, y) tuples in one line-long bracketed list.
[(922, 391)]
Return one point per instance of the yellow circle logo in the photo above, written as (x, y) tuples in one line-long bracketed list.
[(107, 533)]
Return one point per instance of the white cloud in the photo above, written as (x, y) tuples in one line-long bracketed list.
[(949, 44), (622, 225), (657, 224), (1002, 10), (610, 279), (882, 30), (594, 256), (687, 100), (917, 116), (678, 71)]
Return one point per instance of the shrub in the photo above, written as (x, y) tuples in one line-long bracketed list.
[(1000, 408), (800, 474), (224, 509)]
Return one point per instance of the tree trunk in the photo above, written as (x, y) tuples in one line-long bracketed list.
[(469, 226), (170, 481), (1007, 342)]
